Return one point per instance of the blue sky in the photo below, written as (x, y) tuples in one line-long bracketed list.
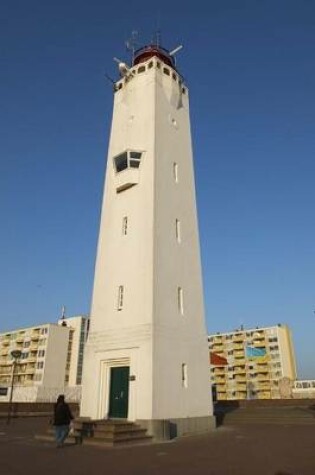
[(250, 69)]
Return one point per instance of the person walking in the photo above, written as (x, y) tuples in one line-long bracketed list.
[(62, 420)]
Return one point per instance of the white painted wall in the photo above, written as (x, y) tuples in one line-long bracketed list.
[(149, 331), (56, 356)]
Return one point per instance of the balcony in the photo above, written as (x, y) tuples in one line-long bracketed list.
[(259, 334), (263, 377), (221, 388), (237, 346), (239, 337), (6, 342), (30, 370), (259, 343), (218, 371), (261, 386), (19, 339), (239, 370)]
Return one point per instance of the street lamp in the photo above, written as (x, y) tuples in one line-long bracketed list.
[(15, 354)]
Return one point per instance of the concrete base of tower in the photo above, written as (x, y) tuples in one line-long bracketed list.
[(170, 428)]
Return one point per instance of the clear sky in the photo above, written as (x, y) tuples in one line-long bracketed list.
[(250, 69)]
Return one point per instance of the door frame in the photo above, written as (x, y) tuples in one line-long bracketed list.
[(104, 396), (123, 384)]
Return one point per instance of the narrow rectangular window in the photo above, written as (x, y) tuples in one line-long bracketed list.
[(180, 300), (125, 225), (184, 376), (175, 172), (177, 228), (120, 301)]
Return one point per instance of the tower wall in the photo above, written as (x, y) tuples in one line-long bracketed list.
[(160, 330)]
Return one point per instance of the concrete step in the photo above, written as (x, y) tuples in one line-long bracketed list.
[(131, 434), (139, 439)]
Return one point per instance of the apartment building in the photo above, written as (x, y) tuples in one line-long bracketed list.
[(304, 389), (253, 363), (50, 360)]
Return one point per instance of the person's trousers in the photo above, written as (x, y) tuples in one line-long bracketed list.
[(61, 433)]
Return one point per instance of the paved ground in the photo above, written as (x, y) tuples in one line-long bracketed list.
[(244, 450)]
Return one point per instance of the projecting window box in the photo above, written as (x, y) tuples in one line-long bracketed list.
[(126, 167)]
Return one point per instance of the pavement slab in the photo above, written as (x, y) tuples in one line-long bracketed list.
[(233, 450)]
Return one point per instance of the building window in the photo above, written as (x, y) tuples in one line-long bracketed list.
[(128, 159), (175, 172), (124, 225), (184, 376), (40, 365), (177, 230), (166, 71), (141, 69), (120, 301), (180, 300)]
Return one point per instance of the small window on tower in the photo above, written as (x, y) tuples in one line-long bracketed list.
[(134, 160), (141, 69), (125, 225), (121, 162), (177, 230), (180, 300), (175, 172), (166, 71), (120, 301), (184, 376)]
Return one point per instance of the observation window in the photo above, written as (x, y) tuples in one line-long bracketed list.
[(128, 159)]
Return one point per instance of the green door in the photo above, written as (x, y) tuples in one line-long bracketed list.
[(119, 390)]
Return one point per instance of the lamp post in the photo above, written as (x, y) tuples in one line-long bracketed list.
[(15, 354)]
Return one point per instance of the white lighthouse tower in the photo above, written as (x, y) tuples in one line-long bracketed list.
[(147, 358)]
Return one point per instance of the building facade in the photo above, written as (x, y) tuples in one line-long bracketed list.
[(147, 355), (50, 360), (304, 389), (258, 363)]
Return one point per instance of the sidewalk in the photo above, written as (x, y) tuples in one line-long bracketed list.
[(242, 450)]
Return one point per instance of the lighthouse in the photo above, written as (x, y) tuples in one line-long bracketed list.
[(147, 357)]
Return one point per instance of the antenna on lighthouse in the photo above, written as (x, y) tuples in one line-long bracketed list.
[(131, 43), (124, 69), (175, 50), (112, 81)]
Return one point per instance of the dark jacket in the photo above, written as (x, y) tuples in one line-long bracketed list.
[(62, 414)]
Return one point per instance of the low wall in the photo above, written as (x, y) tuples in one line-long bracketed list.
[(27, 409), (41, 394), (244, 403)]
